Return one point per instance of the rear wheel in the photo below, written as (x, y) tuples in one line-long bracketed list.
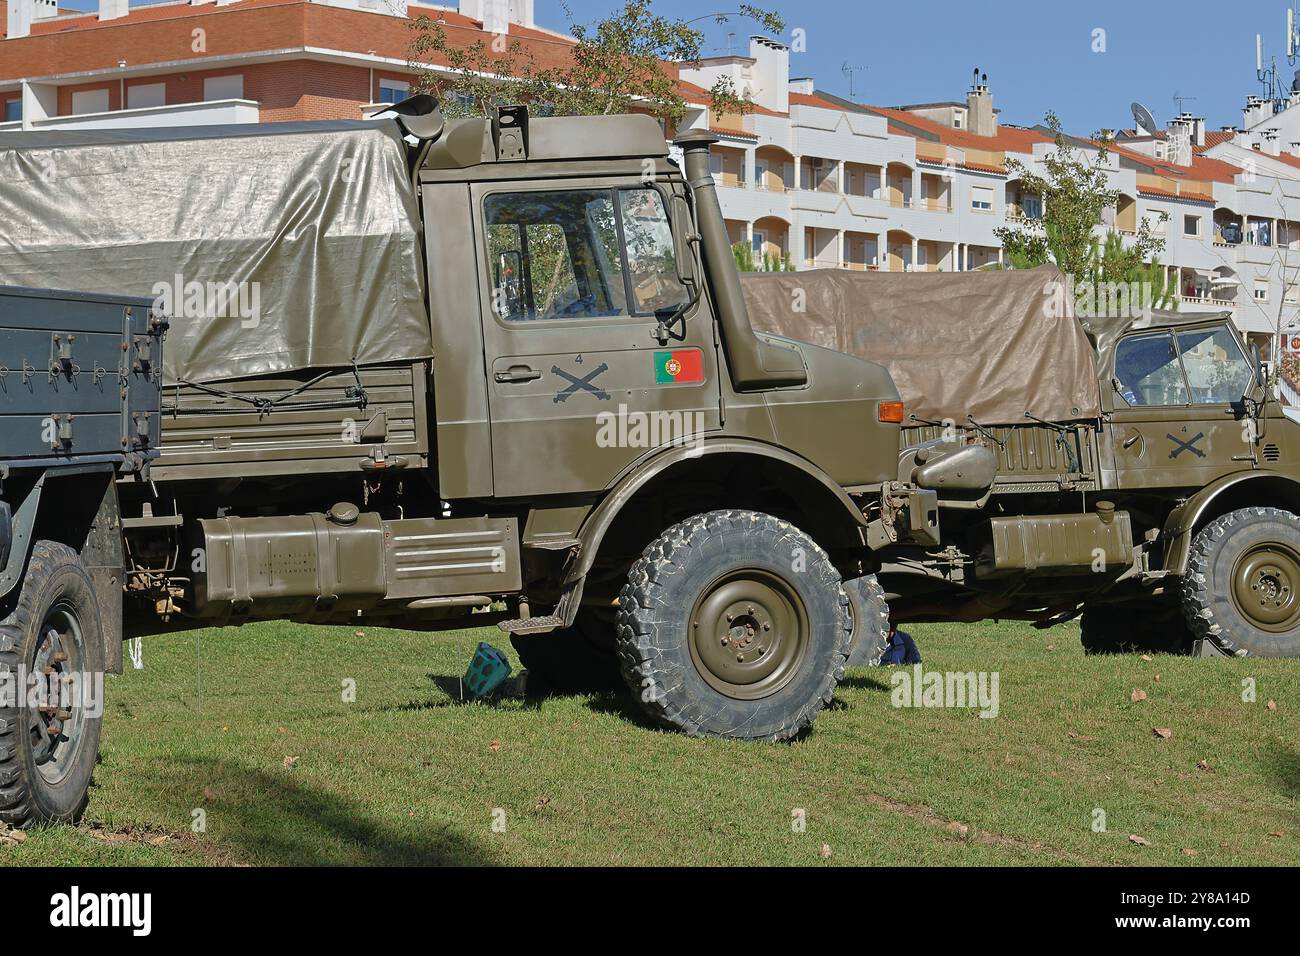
[(1241, 591), (48, 746), (733, 624), (870, 615)]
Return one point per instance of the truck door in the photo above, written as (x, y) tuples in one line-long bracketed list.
[(1178, 418), (585, 374)]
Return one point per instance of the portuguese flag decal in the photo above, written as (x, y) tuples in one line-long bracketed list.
[(681, 366)]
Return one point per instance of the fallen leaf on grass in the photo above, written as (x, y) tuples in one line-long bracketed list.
[(209, 793), (959, 828), (1157, 678), (824, 851), (1272, 705), (1147, 657), (1188, 851), (542, 802), (494, 746), (1277, 833), (1138, 694), (1074, 736), (1164, 733), (1203, 764), (1140, 841), (1051, 647), (290, 761), (10, 837)]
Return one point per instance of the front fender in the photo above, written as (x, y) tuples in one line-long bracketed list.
[(646, 470), (1258, 487)]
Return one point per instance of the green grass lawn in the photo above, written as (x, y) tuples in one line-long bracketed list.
[(407, 775)]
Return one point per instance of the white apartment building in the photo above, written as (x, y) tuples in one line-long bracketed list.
[(922, 187)]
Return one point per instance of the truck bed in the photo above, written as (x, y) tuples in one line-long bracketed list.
[(79, 379)]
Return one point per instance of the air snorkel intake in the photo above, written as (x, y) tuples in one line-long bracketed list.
[(756, 364)]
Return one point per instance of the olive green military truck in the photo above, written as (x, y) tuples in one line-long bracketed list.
[(433, 374), (1136, 471)]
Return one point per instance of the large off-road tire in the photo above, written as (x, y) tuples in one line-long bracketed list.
[(733, 624), (46, 759), (576, 660), (1134, 628), (870, 614), (1241, 591)]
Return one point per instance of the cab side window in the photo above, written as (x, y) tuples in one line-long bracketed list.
[(587, 253), (1147, 371), (555, 255)]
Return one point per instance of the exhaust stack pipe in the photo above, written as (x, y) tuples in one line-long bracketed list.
[(756, 363)]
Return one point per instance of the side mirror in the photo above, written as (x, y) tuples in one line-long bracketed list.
[(684, 240)]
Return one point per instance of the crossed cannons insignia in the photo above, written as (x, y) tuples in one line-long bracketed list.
[(1189, 445), (584, 384)]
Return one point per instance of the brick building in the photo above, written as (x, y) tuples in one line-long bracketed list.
[(219, 61)]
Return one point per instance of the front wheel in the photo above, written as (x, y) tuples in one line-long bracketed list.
[(49, 741), (1241, 591), (733, 624)]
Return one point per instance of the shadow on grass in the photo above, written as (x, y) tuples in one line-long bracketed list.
[(268, 819), (865, 682), (1283, 765)]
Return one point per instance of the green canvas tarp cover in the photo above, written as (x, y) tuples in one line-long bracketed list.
[(303, 238), (992, 345)]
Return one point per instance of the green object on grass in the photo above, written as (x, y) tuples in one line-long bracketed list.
[(488, 669)]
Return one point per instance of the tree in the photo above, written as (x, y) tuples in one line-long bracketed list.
[(618, 64), (1075, 190), (770, 261)]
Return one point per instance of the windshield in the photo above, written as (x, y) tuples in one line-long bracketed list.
[(1196, 367)]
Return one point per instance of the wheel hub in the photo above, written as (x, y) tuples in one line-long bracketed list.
[(55, 724), (749, 633), (1264, 587)]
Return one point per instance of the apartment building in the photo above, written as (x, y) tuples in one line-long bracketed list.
[(187, 62), (922, 187), (805, 174)]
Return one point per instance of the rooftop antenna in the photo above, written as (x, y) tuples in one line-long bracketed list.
[(1267, 74), (1292, 35), (848, 71)]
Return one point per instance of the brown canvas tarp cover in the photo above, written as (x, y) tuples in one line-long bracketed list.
[(321, 217), (992, 345)]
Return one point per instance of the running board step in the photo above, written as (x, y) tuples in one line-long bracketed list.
[(532, 625)]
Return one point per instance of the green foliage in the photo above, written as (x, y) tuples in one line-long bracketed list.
[(1075, 191), (769, 262), (619, 64), (1112, 262)]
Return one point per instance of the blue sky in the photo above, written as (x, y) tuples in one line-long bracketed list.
[(1038, 55)]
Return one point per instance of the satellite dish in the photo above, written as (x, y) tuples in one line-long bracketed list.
[(1142, 116)]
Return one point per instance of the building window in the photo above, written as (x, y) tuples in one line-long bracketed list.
[(230, 87), (89, 101), (146, 95), (981, 198), (13, 111), (393, 91), (759, 240), (1191, 225), (1292, 296), (1261, 291)]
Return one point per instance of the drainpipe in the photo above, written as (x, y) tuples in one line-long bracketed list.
[(756, 364)]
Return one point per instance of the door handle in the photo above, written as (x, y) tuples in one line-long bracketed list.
[(518, 373)]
